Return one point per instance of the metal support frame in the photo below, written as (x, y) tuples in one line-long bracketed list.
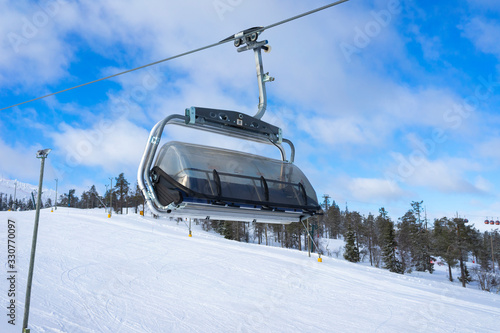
[(311, 240), (42, 155), (202, 211), (249, 37)]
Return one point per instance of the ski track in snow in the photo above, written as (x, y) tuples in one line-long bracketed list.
[(138, 274)]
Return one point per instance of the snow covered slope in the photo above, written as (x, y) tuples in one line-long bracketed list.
[(23, 190), (138, 274)]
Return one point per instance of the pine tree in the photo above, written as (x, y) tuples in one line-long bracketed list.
[(357, 226), (84, 202), (71, 198), (63, 200), (351, 250), (137, 198), (372, 239), (227, 230), (258, 229), (406, 239), (11, 203), (422, 241), (388, 240), (417, 210), (445, 243), (334, 220), (389, 250), (294, 231), (422, 251), (484, 255), (93, 197), (464, 245), (121, 189), (465, 278)]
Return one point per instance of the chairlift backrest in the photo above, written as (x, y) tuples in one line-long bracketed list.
[(195, 172)]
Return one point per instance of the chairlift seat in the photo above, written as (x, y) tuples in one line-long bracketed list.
[(185, 174)]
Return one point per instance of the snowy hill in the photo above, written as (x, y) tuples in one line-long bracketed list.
[(23, 190), (138, 274)]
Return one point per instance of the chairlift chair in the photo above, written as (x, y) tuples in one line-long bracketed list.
[(196, 181)]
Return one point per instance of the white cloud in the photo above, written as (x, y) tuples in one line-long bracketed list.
[(111, 144), (490, 149), (483, 184), (32, 51), (158, 29), (336, 131), (445, 175), (431, 46), (19, 161), (373, 189), (484, 34), (372, 118)]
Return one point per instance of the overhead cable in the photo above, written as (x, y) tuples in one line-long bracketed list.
[(177, 56)]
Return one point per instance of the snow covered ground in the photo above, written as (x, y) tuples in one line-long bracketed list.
[(138, 274), (23, 190)]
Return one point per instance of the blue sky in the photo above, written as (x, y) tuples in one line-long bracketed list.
[(387, 102)]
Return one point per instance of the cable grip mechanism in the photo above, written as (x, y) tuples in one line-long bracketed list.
[(249, 38)]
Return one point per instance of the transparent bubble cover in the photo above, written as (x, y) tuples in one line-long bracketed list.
[(234, 177)]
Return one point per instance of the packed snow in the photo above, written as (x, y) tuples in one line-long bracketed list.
[(130, 273)]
